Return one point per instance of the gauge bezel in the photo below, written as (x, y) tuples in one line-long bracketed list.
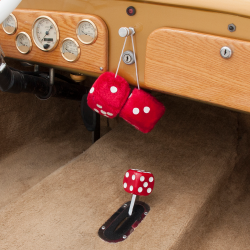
[(57, 33), (11, 33), (27, 35), (78, 49), (96, 33)]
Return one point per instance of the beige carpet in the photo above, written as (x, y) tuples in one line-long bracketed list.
[(36, 138), (224, 223), (192, 151)]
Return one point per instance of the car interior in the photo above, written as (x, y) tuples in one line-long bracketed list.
[(124, 124)]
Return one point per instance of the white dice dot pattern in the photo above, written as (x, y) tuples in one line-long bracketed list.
[(107, 114), (142, 179), (136, 111), (113, 89), (92, 90), (146, 110)]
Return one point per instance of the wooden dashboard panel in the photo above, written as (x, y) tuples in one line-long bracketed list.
[(92, 58), (189, 64)]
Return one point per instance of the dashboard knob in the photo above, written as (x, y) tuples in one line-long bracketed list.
[(124, 32)]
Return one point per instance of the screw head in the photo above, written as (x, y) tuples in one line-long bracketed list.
[(124, 237), (103, 227), (231, 27), (101, 68), (145, 213)]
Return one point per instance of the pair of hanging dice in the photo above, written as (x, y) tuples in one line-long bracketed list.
[(110, 96)]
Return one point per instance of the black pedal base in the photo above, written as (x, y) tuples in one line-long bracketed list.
[(120, 225)]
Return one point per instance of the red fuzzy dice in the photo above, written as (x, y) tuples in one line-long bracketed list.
[(108, 94), (138, 182), (142, 110)]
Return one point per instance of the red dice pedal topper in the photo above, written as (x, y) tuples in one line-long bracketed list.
[(142, 110), (108, 94), (138, 182)]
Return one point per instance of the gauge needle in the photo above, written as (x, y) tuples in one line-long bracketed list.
[(69, 51), (85, 34), (47, 32)]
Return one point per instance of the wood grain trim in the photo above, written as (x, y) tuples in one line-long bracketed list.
[(189, 64), (92, 56)]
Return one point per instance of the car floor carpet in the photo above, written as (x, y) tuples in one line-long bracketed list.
[(192, 151), (225, 222), (36, 138)]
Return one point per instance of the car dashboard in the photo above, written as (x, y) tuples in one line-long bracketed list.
[(178, 44)]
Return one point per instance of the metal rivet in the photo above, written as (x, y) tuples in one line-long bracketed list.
[(101, 68), (103, 227), (124, 237), (226, 52), (231, 27), (145, 213)]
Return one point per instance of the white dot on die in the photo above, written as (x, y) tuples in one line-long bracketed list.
[(140, 189), (127, 174), (125, 185), (113, 89), (131, 188), (142, 178), (110, 114), (151, 179), (146, 110), (133, 177), (96, 110), (103, 112), (99, 106), (136, 111), (92, 90), (149, 190), (145, 184)]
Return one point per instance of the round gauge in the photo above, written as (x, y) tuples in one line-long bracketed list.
[(23, 43), (10, 24), (45, 33), (70, 50), (86, 31)]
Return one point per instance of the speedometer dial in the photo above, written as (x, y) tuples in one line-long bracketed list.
[(10, 24), (86, 31), (45, 33), (70, 50)]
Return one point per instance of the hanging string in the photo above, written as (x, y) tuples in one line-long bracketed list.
[(136, 70), (121, 57), (136, 67)]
